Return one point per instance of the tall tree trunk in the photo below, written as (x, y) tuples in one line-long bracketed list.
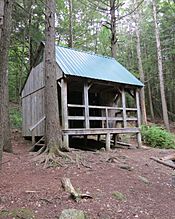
[(113, 29), (52, 130), (31, 52), (5, 141), (151, 102), (1, 15), (1, 128), (141, 72), (70, 25), (160, 67), (96, 40)]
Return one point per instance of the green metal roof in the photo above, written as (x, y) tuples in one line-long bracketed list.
[(84, 64)]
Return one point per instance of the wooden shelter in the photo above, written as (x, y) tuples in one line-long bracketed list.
[(97, 96)]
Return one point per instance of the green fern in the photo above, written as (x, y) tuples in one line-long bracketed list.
[(156, 136)]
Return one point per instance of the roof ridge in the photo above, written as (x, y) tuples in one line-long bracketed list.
[(87, 52)]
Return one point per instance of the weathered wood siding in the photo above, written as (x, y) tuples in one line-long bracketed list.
[(33, 100)]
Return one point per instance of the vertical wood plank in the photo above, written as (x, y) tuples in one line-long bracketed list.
[(86, 103), (139, 139), (33, 137), (66, 141), (64, 108), (124, 108), (138, 109), (107, 123), (108, 141), (64, 111)]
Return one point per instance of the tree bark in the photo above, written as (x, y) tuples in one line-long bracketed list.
[(151, 102), (113, 29), (160, 67), (5, 141), (141, 72), (70, 25), (52, 130), (1, 15)]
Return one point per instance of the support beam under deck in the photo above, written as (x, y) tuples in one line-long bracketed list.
[(139, 139), (64, 110)]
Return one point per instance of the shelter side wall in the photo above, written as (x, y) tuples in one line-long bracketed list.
[(35, 80), (33, 111), (59, 73), (33, 100)]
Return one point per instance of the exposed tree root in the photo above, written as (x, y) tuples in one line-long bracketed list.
[(51, 158)]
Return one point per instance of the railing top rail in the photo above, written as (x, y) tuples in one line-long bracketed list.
[(36, 124), (101, 107)]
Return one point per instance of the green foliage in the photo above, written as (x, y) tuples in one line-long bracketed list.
[(156, 136), (91, 32), (15, 118)]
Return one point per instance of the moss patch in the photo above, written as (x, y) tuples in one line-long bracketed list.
[(18, 213), (119, 196)]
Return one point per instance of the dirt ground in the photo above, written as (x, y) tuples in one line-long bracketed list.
[(124, 183)]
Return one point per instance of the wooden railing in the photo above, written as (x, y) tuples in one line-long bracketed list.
[(32, 128), (106, 115)]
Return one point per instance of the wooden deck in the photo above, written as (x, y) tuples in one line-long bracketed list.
[(100, 131)]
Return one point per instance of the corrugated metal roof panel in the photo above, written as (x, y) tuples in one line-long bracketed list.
[(83, 64)]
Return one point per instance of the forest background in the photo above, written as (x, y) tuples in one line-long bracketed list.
[(88, 25)]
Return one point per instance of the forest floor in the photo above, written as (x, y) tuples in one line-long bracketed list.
[(124, 183)]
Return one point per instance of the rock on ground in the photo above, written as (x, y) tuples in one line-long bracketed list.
[(72, 214)]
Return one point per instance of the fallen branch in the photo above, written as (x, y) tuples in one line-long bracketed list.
[(124, 144), (30, 191), (168, 163), (168, 157), (112, 160), (85, 165), (68, 187)]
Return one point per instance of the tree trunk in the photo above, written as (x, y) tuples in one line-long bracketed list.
[(113, 29), (151, 102), (30, 41), (5, 141), (70, 24), (141, 72), (160, 68), (52, 130), (1, 15)]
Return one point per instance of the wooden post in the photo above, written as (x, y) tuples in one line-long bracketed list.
[(108, 141), (33, 137), (86, 103), (107, 124), (124, 108), (64, 110), (139, 139), (116, 99)]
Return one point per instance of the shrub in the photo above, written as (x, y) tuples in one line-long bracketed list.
[(156, 136), (15, 118)]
